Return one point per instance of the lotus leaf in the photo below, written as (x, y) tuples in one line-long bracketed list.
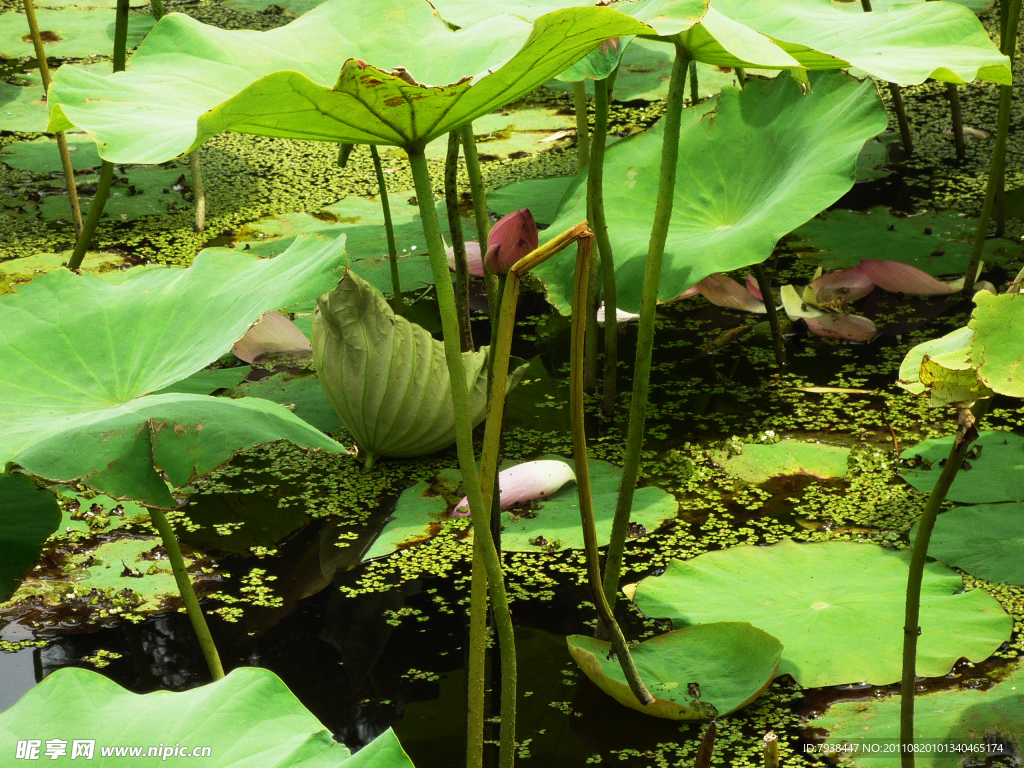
[(731, 218), (209, 380), (22, 106), (28, 515), (942, 368), (189, 81), (936, 243), (41, 156), (837, 607), (249, 720), (138, 192), (418, 509), (759, 462), (82, 356), (986, 540), (731, 662), (79, 32), (997, 353), (996, 468), (541, 196), (303, 395), (86, 511), (387, 378), (957, 717), (903, 43)]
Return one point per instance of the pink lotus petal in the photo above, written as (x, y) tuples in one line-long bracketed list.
[(689, 292), (271, 334), (725, 292), (846, 327), (621, 315), (526, 482), (843, 285), (474, 260), (753, 289), (902, 278)]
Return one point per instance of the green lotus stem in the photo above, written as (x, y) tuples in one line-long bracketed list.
[(121, 35), (62, 141), (451, 201), (958, 120), (157, 8), (595, 192), (188, 595), (765, 286), (998, 152), (477, 663), (770, 750), (741, 75), (198, 191), (901, 118), (966, 434), (479, 512), (579, 96), (694, 84), (866, 5), (483, 219), (398, 303), (592, 299), (95, 214), (579, 455), (645, 338)]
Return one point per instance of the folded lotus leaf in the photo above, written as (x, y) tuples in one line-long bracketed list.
[(249, 719), (387, 378), (733, 215), (997, 352), (82, 355), (28, 515), (405, 77)]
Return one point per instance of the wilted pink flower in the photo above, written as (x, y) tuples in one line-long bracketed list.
[(527, 482), (511, 238)]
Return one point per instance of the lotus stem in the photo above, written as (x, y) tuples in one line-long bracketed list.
[(866, 5), (157, 9), (595, 192), (958, 121), (579, 454), (479, 512), (707, 747), (770, 750), (477, 663), (451, 201), (694, 84), (998, 152), (965, 435), (901, 118), (95, 214), (579, 96), (483, 219), (645, 338), (765, 286), (121, 36), (592, 299), (62, 141), (397, 302), (188, 595), (198, 191), (741, 75)]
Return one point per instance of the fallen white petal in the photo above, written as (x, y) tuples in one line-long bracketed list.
[(528, 482)]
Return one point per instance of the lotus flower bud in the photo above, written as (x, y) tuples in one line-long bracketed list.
[(511, 238)]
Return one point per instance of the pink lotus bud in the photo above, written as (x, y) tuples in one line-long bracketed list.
[(526, 482), (511, 238)]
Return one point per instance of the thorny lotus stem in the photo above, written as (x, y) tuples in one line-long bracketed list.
[(106, 168), (998, 152), (965, 435), (765, 286), (451, 202), (188, 595), (645, 337), (157, 9), (953, 92), (389, 229), (479, 512), (595, 192), (901, 118), (579, 95), (694, 84), (579, 455), (198, 191), (591, 301), (477, 663), (62, 141), (483, 220)]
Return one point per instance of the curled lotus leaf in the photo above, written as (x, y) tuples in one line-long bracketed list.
[(347, 71), (997, 353), (387, 378), (28, 515), (85, 360), (942, 369), (733, 217), (247, 719)]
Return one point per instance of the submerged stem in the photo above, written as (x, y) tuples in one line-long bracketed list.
[(765, 286), (198, 191), (595, 191), (188, 595), (389, 229), (467, 461), (579, 454), (645, 337), (579, 95), (451, 202)]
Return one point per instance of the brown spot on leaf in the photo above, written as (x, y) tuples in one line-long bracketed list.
[(395, 101), (45, 35)]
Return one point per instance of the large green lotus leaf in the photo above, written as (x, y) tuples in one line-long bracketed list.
[(996, 474), (731, 663), (209, 380), (936, 243), (986, 540), (302, 395), (248, 720), (73, 32), (942, 368), (290, 7), (189, 81), (997, 352), (732, 215), (82, 355), (88, 511), (386, 377), (41, 155), (837, 607), (22, 106), (541, 196), (28, 515), (761, 462), (906, 43), (959, 717), (418, 509)]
